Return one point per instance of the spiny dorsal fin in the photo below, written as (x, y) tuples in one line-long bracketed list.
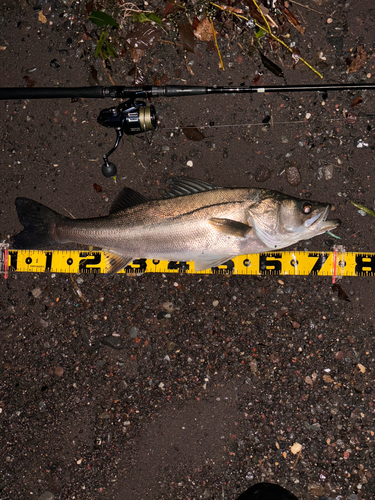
[(127, 198), (183, 187)]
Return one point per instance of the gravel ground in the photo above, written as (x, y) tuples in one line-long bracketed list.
[(178, 386)]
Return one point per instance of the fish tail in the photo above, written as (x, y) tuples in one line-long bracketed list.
[(39, 224)]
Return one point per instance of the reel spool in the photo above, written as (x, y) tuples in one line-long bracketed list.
[(129, 118)]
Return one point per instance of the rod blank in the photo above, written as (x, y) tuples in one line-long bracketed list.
[(163, 91)]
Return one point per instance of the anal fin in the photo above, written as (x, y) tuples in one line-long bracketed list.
[(202, 263), (115, 262)]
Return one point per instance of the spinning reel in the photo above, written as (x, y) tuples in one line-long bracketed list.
[(128, 118)]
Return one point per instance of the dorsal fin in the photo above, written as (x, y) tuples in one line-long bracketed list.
[(183, 187), (127, 198)]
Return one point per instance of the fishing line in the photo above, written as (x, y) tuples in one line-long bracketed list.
[(261, 124)]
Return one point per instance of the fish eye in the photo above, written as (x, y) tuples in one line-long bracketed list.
[(306, 208)]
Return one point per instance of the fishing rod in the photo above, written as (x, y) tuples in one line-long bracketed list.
[(134, 116)]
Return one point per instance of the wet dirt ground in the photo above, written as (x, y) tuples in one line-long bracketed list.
[(179, 386)]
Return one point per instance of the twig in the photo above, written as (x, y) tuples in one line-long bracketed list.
[(261, 13), (107, 73), (295, 463), (216, 45), (274, 37), (168, 41), (308, 8)]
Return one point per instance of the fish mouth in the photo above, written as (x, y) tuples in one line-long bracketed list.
[(320, 223)]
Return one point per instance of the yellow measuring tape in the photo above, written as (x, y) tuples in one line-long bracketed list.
[(334, 263)]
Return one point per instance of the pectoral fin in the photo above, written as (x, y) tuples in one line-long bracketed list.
[(114, 262), (231, 227)]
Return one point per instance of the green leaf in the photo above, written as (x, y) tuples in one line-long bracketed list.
[(102, 19), (260, 33), (111, 51), (155, 18), (364, 209), (100, 44), (143, 17)]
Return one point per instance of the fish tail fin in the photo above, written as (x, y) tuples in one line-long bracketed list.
[(39, 224)]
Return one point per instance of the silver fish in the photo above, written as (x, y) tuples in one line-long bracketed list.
[(195, 221)]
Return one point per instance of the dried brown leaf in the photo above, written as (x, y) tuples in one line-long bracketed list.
[(271, 66), (254, 12), (29, 81), (193, 134), (93, 76), (171, 8), (231, 9), (256, 79), (342, 295), (136, 54), (356, 101), (359, 61), (186, 34), (293, 20), (204, 31)]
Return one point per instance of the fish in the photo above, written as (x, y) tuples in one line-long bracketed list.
[(193, 222), (267, 491)]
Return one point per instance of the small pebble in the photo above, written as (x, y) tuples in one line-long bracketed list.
[(359, 143), (59, 370), (54, 63), (168, 306), (113, 342), (37, 292), (47, 9), (262, 174), (133, 332), (296, 448), (275, 358), (215, 303), (47, 495), (328, 172), (351, 117), (293, 176)]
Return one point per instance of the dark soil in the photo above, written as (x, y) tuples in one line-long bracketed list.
[(203, 398)]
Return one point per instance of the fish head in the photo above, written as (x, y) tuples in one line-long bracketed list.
[(280, 220)]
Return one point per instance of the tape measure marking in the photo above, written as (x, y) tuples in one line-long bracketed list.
[(335, 264)]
